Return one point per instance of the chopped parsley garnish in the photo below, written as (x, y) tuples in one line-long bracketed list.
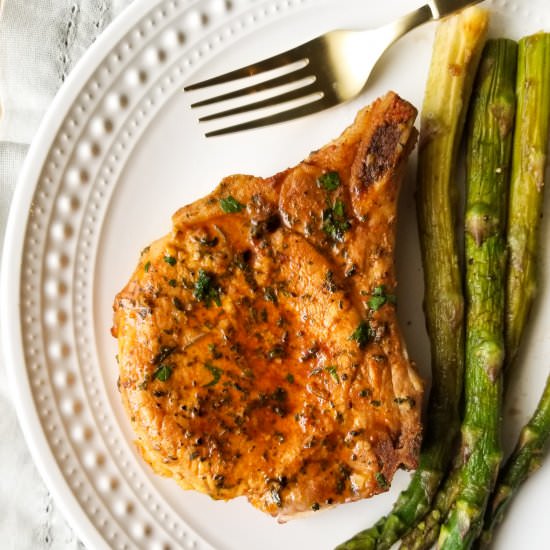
[(290, 378), (335, 223), (170, 260), (172, 283), (381, 480), (230, 205), (329, 181), (379, 298), (216, 374), (163, 373), (331, 369), (315, 506), (205, 289), (146, 267), (362, 334), (338, 208)]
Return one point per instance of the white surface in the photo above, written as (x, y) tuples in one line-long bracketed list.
[(40, 41), (118, 152)]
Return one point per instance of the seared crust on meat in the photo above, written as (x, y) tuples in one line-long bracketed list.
[(259, 350)]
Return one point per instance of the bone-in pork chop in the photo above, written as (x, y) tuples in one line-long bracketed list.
[(259, 350)]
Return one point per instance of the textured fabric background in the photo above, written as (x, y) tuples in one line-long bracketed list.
[(40, 42)]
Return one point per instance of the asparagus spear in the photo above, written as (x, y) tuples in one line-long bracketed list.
[(527, 457), (529, 161), (487, 169), (466, 491), (527, 184), (425, 533), (529, 153), (457, 49)]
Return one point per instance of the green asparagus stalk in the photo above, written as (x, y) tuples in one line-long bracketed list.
[(488, 155), (426, 532), (526, 195), (530, 147), (533, 444), (488, 159), (527, 183), (458, 44)]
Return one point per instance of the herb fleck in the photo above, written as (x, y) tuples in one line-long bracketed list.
[(290, 378), (230, 205), (329, 181), (163, 373), (331, 369), (362, 334), (172, 283), (205, 289), (146, 267), (335, 223), (170, 260), (379, 298), (338, 208), (216, 374), (381, 480), (315, 506)]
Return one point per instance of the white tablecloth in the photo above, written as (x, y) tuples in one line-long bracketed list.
[(40, 42)]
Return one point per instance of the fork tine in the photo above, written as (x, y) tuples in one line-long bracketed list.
[(308, 109), (298, 93), (287, 78), (280, 60)]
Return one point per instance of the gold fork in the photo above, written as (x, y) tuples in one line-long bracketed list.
[(326, 71)]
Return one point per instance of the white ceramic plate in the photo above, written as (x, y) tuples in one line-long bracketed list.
[(117, 153)]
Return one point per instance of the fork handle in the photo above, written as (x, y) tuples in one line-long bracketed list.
[(396, 29)]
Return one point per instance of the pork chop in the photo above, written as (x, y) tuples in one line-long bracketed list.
[(259, 349)]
